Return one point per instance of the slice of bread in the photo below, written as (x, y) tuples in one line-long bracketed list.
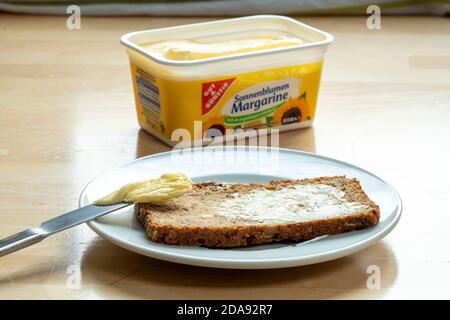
[(230, 215)]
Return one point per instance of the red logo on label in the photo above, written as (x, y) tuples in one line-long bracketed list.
[(212, 92)]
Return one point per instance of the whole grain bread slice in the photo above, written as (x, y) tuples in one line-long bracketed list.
[(210, 214)]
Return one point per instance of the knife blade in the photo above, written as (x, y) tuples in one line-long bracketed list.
[(70, 219)]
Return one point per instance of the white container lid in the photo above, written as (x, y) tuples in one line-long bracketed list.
[(229, 28)]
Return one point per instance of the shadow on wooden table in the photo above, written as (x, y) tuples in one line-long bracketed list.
[(147, 144), (117, 273), (302, 139)]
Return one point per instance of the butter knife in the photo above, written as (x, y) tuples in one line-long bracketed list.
[(68, 220)]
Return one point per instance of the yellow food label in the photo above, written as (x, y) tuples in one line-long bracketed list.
[(162, 189), (263, 99)]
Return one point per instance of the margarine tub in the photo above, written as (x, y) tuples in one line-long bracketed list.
[(208, 80)]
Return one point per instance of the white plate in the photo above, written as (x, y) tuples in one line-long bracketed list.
[(241, 164)]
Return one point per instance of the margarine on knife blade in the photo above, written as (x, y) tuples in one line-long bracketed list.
[(183, 50), (162, 189)]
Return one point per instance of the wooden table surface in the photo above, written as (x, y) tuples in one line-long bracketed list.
[(67, 114)]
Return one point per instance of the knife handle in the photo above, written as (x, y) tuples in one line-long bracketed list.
[(20, 240)]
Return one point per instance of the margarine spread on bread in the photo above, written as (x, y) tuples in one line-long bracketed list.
[(162, 189), (195, 50), (197, 82), (294, 203)]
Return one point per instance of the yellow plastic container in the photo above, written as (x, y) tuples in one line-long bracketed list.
[(196, 100)]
